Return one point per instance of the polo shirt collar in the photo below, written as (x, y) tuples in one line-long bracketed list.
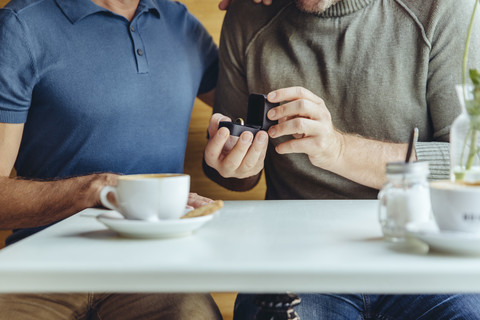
[(148, 5), (76, 10)]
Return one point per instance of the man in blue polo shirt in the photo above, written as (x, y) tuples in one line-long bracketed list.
[(86, 88)]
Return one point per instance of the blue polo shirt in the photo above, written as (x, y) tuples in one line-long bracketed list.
[(97, 92)]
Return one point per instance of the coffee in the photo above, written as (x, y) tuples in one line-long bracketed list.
[(149, 196), (150, 176)]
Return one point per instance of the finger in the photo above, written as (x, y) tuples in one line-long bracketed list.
[(298, 108), (195, 200), (216, 118), (257, 151), (214, 122), (299, 136), (196, 203), (296, 146), (196, 197), (235, 158), (223, 5), (267, 2), (283, 119), (214, 147), (296, 126), (292, 93)]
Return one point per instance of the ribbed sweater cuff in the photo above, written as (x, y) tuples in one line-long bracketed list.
[(438, 156)]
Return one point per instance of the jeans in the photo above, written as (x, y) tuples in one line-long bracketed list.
[(375, 307)]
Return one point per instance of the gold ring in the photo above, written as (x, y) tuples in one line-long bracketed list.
[(240, 121)]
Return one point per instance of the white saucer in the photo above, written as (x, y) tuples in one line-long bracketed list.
[(148, 229), (445, 241)]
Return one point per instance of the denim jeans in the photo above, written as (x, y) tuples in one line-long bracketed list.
[(375, 307)]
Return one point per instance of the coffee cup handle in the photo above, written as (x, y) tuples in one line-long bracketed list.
[(103, 197)]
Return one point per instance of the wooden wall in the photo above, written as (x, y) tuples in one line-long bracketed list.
[(207, 12)]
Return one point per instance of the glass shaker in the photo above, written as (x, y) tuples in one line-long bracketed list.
[(405, 198)]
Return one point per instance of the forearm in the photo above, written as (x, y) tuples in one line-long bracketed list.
[(233, 184), (27, 203), (364, 160)]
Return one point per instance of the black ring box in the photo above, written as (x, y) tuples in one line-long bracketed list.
[(258, 107)]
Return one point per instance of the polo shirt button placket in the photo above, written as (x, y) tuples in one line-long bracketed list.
[(138, 47)]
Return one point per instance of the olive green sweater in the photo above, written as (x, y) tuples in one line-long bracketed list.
[(381, 66)]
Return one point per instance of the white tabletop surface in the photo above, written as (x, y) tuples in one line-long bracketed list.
[(250, 246)]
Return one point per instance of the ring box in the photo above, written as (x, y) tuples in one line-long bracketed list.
[(258, 107)]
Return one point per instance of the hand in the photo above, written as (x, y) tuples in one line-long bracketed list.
[(223, 5), (306, 117), (234, 157), (96, 183), (195, 200)]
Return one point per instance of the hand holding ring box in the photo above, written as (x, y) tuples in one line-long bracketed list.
[(258, 107), (150, 197)]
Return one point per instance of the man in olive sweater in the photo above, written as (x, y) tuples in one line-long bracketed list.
[(353, 77)]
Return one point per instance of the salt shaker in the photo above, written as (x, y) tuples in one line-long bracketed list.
[(405, 198)]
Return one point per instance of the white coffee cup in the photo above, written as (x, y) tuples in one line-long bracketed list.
[(455, 206), (149, 196)]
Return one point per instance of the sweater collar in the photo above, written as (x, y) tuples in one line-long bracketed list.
[(345, 7)]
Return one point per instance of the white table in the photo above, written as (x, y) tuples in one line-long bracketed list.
[(251, 246)]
